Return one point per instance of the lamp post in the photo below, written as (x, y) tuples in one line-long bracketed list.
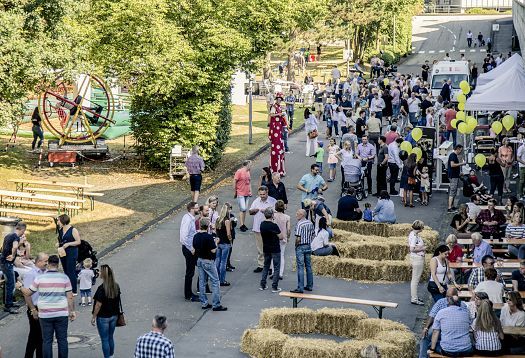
[(250, 108)]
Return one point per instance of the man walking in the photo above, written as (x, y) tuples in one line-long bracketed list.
[(454, 172), (194, 167), (7, 259), (271, 237), (366, 152), (155, 344), (394, 164), (55, 305), (34, 339), (290, 108), (304, 234), (205, 246), (382, 165), (469, 38), (311, 184), (257, 209), (187, 231), (242, 191), (276, 189), (413, 108)]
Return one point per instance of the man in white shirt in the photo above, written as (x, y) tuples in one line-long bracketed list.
[(187, 231), (494, 289), (413, 108), (499, 60), (469, 38), (520, 158), (473, 207), (376, 105), (257, 209), (394, 163)]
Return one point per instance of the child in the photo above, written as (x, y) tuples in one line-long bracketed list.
[(319, 155), (367, 213), (332, 159), (425, 186), (86, 281)]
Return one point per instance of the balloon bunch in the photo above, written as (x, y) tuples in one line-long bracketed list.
[(464, 124), (406, 146), (507, 122)]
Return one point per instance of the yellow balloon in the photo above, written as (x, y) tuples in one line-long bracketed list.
[(508, 122), (472, 123), (418, 152), (461, 115), (386, 81), (463, 128), (497, 127), (461, 106), (465, 87), (406, 146), (480, 160), (454, 123), (461, 98), (417, 133)]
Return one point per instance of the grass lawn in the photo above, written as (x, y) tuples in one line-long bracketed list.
[(133, 195)]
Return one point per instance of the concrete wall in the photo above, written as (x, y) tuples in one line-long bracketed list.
[(518, 17)]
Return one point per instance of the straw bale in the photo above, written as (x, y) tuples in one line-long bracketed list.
[(380, 250), (338, 322), (311, 348), (353, 348), (263, 343), (369, 328), (289, 320), (405, 341), (396, 271)]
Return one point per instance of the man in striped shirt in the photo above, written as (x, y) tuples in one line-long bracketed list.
[(304, 234), (55, 305)]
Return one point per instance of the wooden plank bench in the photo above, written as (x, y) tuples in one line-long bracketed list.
[(27, 212), (40, 204), (90, 195), (496, 251), (468, 294), (464, 286), (377, 305)]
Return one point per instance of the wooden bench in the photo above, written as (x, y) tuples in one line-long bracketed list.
[(27, 213), (468, 294), (90, 195), (496, 251), (377, 305), (41, 204), (465, 286)]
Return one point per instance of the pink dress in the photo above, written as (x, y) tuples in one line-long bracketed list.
[(276, 140)]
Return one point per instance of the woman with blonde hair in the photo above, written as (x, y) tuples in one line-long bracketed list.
[(488, 333), (283, 221), (417, 259), (106, 310), (213, 204), (512, 315), (224, 233), (455, 250)]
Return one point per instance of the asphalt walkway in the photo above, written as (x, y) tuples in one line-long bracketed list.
[(150, 270)]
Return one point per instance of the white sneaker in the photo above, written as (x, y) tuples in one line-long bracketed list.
[(276, 290)]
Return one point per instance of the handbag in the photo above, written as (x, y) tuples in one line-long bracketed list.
[(433, 288), (313, 134), (121, 320), (411, 181)]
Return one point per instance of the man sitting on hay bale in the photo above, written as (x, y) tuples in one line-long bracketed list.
[(348, 207)]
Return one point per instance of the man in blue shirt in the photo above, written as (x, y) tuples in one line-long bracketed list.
[(290, 108), (311, 184), (348, 207), (452, 324), (481, 247)]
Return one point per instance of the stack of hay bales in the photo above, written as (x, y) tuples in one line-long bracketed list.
[(373, 252), (393, 339)]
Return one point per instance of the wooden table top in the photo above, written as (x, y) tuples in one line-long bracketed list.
[(26, 195), (519, 331), (506, 264), (495, 242), (468, 294), (51, 183)]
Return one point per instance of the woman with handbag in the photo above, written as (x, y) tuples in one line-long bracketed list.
[(440, 273), (107, 311), (310, 126), (411, 172)]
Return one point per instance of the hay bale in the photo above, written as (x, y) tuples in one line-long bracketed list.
[(338, 322), (311, 348), (404, 341), (263, 343), (353, 348), (289, 320), (369, 328), (396, 271), (431, 239), (379, 250)]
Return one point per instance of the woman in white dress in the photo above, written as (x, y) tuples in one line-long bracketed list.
[(310, 126)]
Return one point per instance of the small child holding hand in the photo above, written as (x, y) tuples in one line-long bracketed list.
[(86, 282)]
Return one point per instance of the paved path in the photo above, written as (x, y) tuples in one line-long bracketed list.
[(150, 270)]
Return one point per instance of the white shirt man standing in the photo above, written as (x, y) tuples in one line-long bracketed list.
[(257, 209), (394, 163), (187, 231)]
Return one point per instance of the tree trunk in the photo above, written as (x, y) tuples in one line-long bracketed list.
[(289, 67)]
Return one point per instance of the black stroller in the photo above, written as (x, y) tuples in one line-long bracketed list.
[(85, 251)]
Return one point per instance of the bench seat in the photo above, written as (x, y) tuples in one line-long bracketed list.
[(28, 212)]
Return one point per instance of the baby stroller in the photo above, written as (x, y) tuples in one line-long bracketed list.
[(354, 178), (85, 251)]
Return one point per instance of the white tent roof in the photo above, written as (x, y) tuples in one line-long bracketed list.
[(515, 70), (514, 61), (504, 93)]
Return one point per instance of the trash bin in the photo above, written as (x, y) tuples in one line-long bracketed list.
[(7, 226)]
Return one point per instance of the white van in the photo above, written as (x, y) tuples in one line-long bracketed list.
[(456, 71)]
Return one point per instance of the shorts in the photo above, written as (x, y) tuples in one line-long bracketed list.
[(195, 182), (243, 202), (332, 165), (85, 293), (424, 189), (453, 189)]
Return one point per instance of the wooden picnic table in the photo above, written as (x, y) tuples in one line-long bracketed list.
[(495, 242), (497, 207), (62, 201), (24, 183), (505, 264), (468, 294), (518, 331)]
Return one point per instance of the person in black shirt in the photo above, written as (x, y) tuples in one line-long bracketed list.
[(37, 129), (453, 172), (424, 71), (348, 207), (205, 246), (7, 260), (276, 188), (107, 309), (271, 236), (360, 125), (518, 278), (496, 175)]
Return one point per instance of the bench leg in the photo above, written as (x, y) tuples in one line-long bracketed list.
[(380, 313), (294, 302)]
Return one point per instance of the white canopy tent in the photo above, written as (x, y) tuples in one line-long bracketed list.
[(516, 70), (505, 93), (512, 63)]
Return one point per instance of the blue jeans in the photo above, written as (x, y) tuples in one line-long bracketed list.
[(220, 261), (395, 109), (268, 257), (69, 265), (207, 269), (106, 328), (454, 135), (466, 353), (303, 256), (425, 343), (518, 251), (412, 118), (38, 134), (54, 326), (285, 138), (336, 127), (9, 274)]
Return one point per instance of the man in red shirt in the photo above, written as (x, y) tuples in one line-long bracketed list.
[(392, 134), (450, 114), (242, 190)]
